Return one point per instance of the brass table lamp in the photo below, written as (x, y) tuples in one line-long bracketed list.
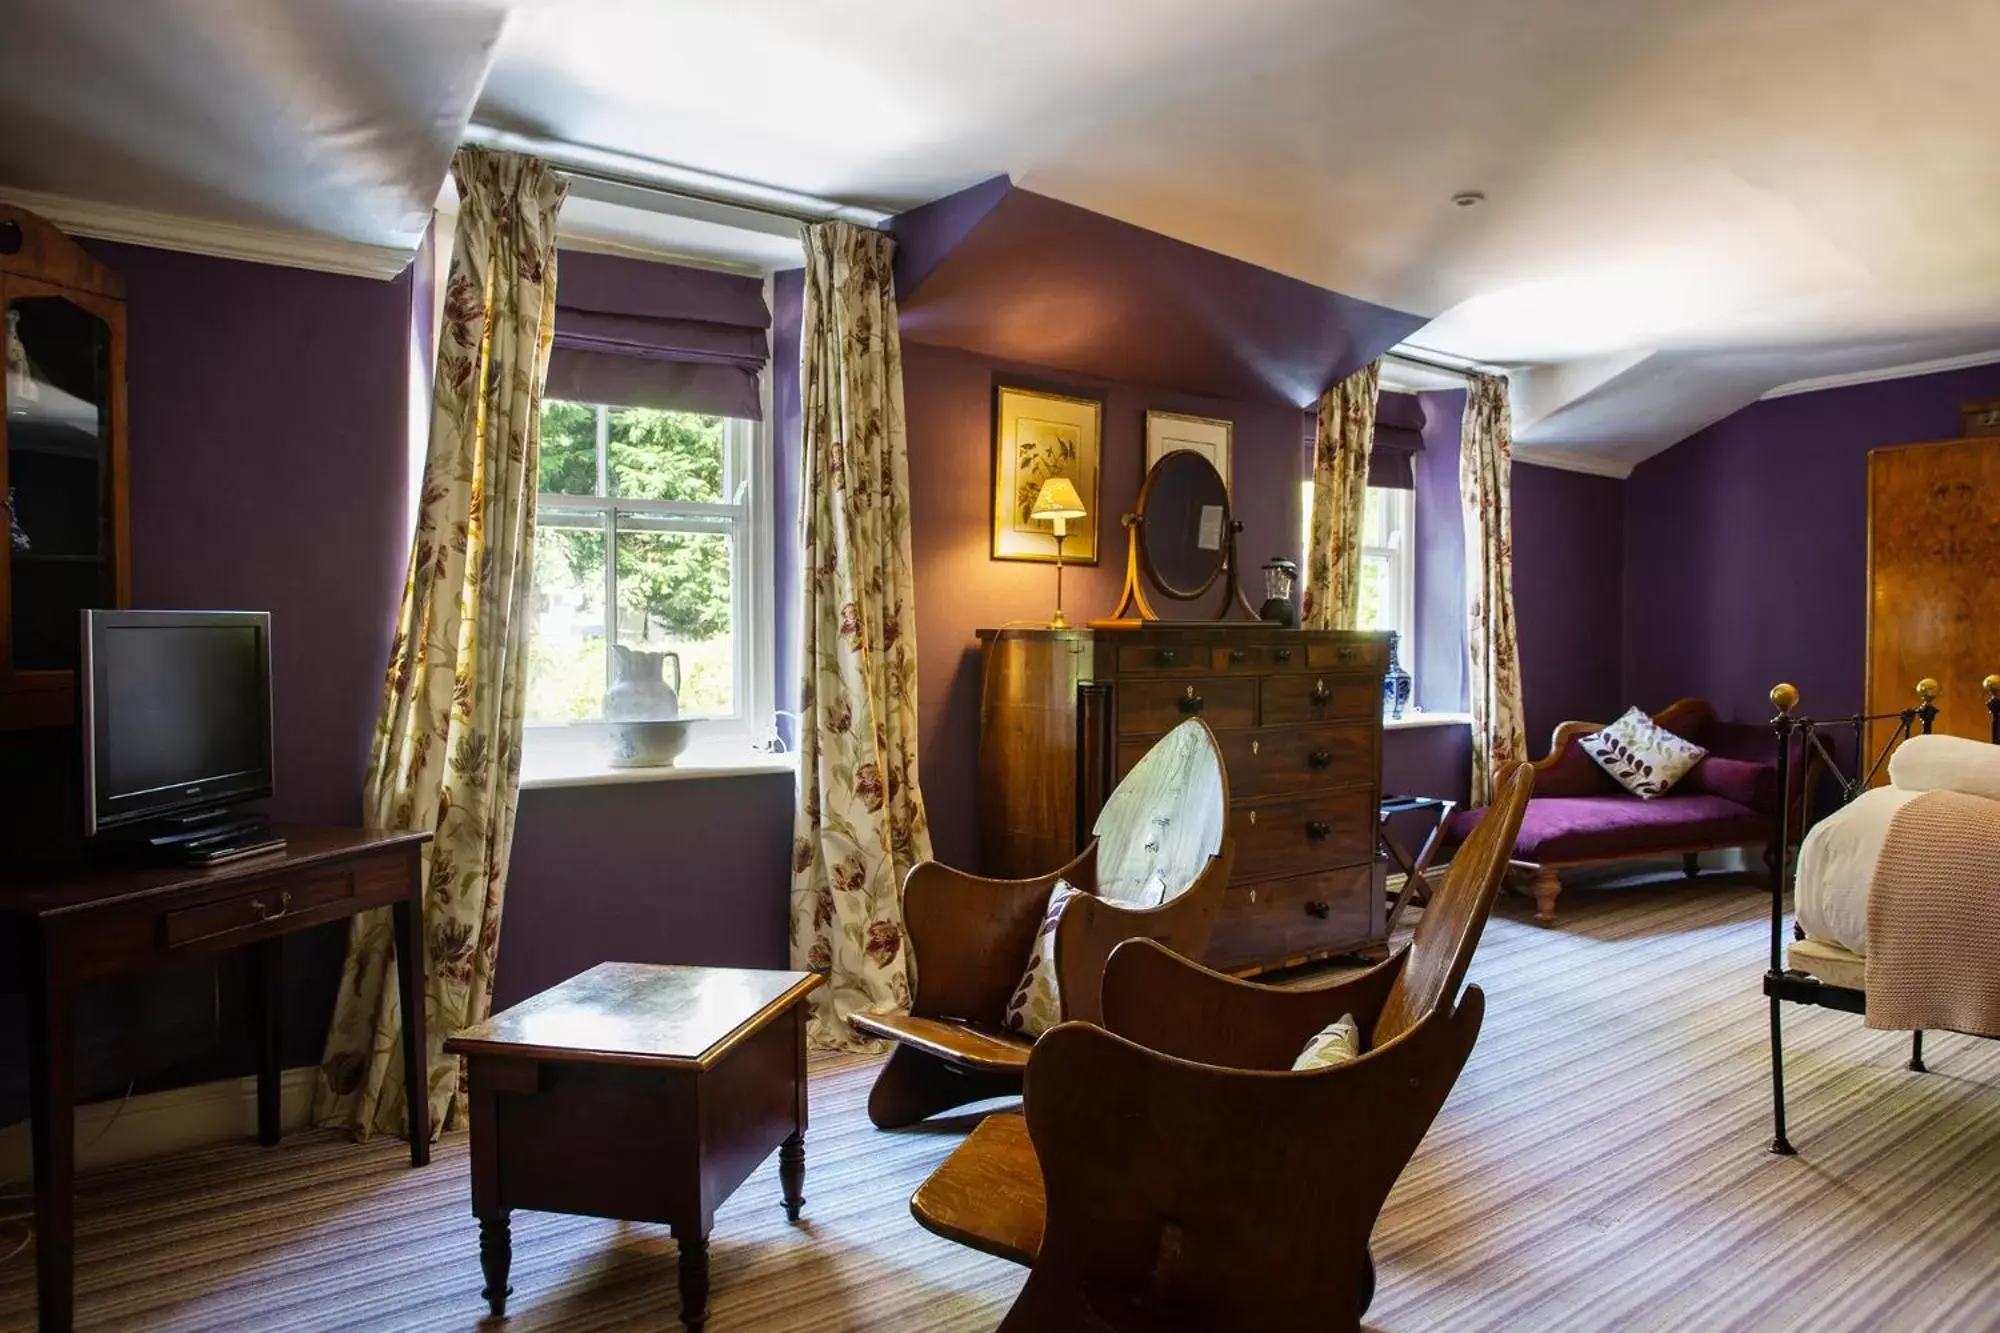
[(1059, 503)]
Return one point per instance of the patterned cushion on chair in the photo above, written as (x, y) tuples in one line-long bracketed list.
[(1644, 757), (1335, 1044), (1037, 1003)]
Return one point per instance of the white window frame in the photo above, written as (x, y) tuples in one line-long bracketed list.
[(1401, 553), (746, 477)]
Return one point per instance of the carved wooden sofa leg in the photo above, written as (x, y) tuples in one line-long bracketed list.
[(914, 1086), (1545, 886)]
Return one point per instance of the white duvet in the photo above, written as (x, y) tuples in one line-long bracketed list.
[(1837, 864)]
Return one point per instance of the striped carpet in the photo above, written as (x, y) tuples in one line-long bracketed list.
[(1600, 1166)]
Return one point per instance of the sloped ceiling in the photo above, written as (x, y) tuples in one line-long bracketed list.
[(1716, 197), (332, 118), (1016, 275)]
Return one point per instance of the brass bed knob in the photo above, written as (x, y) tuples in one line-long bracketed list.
[(1927, 690), (1992, 687), (1784, 698)]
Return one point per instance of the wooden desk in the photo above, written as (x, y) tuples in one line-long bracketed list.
[(61, 931), (637, 1092)]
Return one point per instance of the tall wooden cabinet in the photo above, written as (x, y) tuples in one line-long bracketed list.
[(1934, 579), (1065, 713), (62, 462)]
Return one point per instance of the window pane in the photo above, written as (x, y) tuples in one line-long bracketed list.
[(657, 455), (566, 648), (1378, 593), (674, 595), (569, 448)]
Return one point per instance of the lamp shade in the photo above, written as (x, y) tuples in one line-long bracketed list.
[(1058, 499)]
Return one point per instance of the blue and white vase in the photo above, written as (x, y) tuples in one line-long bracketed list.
[(1396, 683)]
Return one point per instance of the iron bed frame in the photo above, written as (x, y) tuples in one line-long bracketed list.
[(1783, 984)]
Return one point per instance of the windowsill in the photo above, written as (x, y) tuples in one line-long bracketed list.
[(574, 764), (1410, 721)]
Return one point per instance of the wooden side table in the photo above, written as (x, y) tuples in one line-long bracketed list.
[(62, 930), (639, 1092)]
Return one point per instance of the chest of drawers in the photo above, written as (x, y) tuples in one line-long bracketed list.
[(1298, 713)]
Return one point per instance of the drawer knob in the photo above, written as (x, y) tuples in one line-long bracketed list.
[(1238, 654), (1165, 657), (265, 912), (1255, 746), (1191, 702), (1253, 816), (1319, 758), (1319, 910), (1317, 829), (1282, 656), (1321, 694), (1347, 653)]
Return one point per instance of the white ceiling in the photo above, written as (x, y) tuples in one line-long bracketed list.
[(1689, 202)]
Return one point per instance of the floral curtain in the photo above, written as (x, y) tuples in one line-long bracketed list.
[(860, 824), (1485, 478), (1341, 441), (446, 756)]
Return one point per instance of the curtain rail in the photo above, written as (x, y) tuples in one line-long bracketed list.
[(671, 181)]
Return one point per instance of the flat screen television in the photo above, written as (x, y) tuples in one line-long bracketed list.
[(176, 712)]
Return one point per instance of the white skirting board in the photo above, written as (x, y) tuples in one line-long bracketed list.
[(158, 1123)]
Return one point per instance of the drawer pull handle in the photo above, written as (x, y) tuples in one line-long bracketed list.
[(1321, 695), (1164, 657), (1253, 816), (1347, 653), (1318, 828), (1319, 758), (1283, 655), (1255, 746), (1319, 910), (265, 913), (1238, 654), (1191, 702)]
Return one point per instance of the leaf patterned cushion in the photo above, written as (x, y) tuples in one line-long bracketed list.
[(1335, 1044), (1645, 758), (1037, 1004)]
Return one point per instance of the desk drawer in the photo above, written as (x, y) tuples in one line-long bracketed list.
[(1289, 700), (254, 907), (1156, 658), (1295, 834), (1161, 705), (1257, 658)]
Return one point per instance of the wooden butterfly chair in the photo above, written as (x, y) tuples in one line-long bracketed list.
[(1159, 840), (1171, 1171)]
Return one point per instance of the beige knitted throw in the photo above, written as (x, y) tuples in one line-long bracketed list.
[(1934, 918)]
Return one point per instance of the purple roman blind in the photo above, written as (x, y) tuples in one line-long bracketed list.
[(1399, 437), (634, 333)]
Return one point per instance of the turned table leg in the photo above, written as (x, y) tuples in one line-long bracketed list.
[(694, 1278), (1545, 886), (792, 1173), (496, 1255)]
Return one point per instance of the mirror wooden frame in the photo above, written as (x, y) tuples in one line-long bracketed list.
[(1133, 606)]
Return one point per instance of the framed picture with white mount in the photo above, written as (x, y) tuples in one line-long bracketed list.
[(1211, 437)]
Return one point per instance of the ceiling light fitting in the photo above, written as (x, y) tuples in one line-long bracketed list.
[(1467, 198)]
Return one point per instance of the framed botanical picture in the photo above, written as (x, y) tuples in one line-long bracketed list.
[(1212, 439), (1037, 436)]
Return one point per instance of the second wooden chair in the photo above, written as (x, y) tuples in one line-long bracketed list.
[(1159, 840)]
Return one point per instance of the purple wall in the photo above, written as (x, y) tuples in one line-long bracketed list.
[(269, 467), (948, 399), (694, 871), (1568, 599), (1746, 550)]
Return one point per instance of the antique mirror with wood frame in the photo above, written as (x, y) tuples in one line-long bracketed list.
[(1181, 539)]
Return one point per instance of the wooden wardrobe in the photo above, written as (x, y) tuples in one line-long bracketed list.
[(1934, 578), (1064, 713)]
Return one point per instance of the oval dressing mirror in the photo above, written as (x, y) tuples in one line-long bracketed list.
[(1185, 508)]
